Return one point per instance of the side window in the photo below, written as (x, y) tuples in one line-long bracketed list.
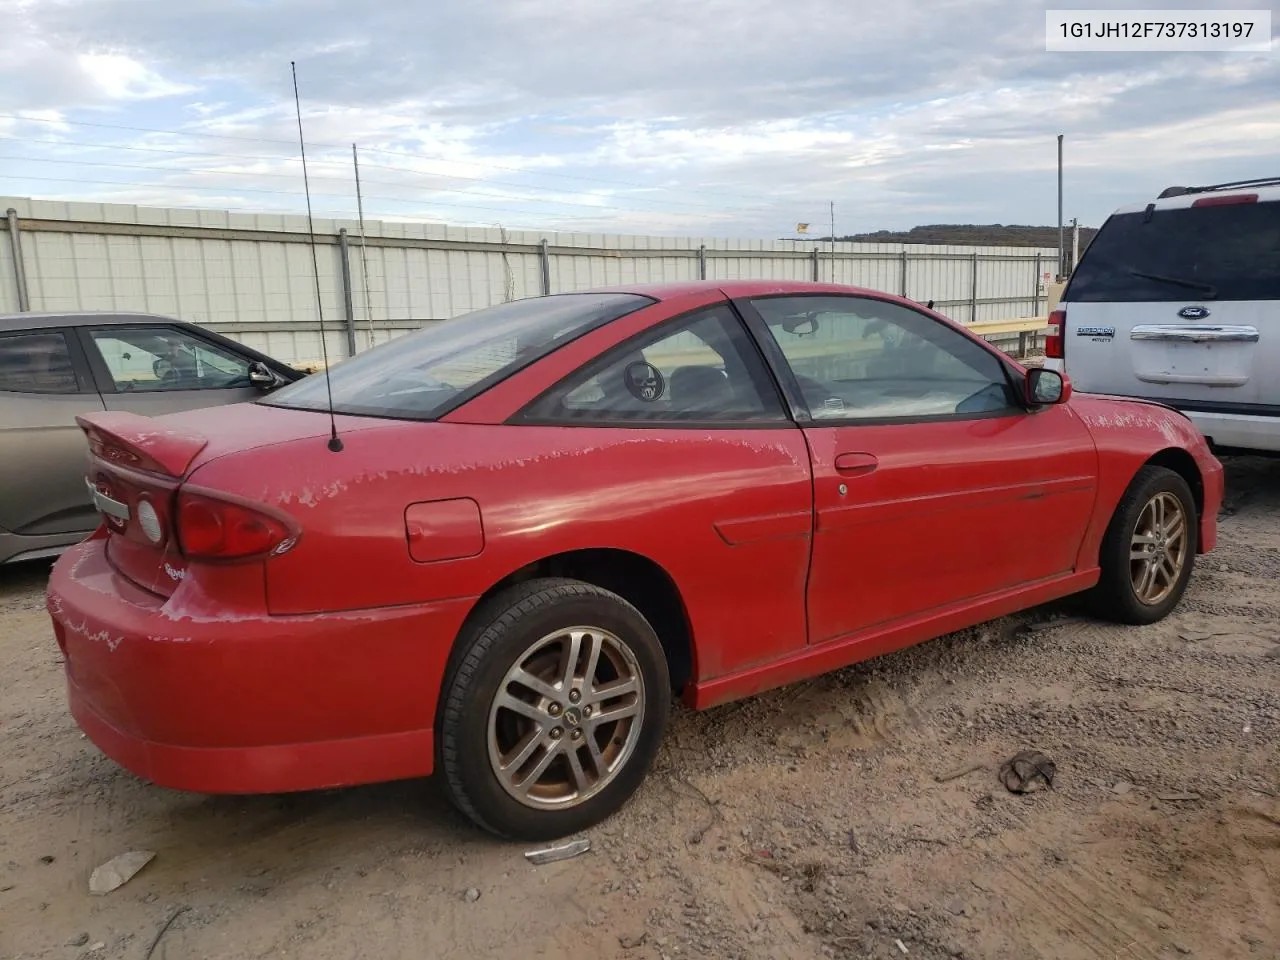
[(147, 359), (36, 362), (858, 358), (703, 369)]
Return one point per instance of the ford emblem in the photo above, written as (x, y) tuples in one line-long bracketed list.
[(1193, 313)]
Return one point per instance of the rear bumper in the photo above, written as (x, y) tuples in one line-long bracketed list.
[(1238, 431), (247, 703), (15, 548)]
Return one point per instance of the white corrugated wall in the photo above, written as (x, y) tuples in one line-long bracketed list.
[(82, 256)]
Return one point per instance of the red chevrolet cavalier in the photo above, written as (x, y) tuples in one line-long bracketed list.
[(541, 520)]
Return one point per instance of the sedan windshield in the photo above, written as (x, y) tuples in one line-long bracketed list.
[(425, 374)]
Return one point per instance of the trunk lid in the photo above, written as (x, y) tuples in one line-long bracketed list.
[(137, 467)]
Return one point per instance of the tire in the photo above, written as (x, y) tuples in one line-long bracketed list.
[(533, 626), (1119, 594)]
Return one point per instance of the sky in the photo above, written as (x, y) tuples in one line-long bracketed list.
[(729, 118)]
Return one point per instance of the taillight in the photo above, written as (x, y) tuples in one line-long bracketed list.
[(1054, 344), (220, 527)]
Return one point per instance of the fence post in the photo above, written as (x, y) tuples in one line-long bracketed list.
[(702, 262), (346, 292), (973, 291), (902, 285), (545, 256), (817, 275), (19, 268), (1035, 290)]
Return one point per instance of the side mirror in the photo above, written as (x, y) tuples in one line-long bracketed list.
[(263, 377), (1046, 387)]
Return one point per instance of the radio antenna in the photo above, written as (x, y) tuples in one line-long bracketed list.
[(335, 444)]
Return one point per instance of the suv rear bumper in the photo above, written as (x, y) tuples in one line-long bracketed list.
[(1238, 431)]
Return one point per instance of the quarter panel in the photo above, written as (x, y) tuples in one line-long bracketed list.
[(726, 513), (43, 458)]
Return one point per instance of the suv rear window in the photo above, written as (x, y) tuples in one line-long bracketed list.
[(1229, 252), (425, 374)]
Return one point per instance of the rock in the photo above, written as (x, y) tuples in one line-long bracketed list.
[(1181, 949), (118, 871), (1122, 787), (47, 859), (957, 907), (472, 895), (79, 941)]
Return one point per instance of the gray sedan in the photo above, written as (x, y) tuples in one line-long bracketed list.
[(54, 367)]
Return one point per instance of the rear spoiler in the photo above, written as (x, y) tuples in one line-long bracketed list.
[(140, 442)]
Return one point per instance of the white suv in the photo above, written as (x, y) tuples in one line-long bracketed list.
[(1178, 301)]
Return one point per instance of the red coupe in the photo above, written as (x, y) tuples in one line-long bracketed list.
[(525, 529)]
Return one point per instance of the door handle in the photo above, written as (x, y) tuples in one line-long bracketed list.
[(856, 464)]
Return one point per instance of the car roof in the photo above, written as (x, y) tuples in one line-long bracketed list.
[(1265, 194), (78, 318), (736, 288)]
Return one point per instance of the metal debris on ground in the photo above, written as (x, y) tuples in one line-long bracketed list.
[(165, 929), (901, 946), (118, 871), (1027, 771), (958, 772), (563, 851)]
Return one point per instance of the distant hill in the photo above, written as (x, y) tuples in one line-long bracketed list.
[(979, 235)]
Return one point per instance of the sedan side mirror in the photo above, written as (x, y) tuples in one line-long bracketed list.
[(263, 377), (1046, 387)]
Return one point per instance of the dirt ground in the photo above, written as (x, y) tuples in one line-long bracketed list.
[(804, 823)]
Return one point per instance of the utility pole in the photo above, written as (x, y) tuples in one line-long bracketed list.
[(1061, 245), (1075, 243), (833, 241)]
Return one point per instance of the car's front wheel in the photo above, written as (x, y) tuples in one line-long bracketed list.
[(1149, 549), (553, 710)]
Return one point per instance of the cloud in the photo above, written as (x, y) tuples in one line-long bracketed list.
[(738, 116)]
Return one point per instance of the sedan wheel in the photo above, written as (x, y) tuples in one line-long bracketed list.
[(566, 718), (1149, 549), (1159, 548), (553, 709)]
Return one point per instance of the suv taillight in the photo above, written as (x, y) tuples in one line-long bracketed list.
[(1054, 343), (219, 527)]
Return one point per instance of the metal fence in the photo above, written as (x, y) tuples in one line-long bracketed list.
[(251, 277)]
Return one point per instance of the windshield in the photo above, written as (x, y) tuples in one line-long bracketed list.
[(1229, 252), (425, 374)]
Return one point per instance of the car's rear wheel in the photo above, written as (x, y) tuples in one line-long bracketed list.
[(1149, 549), (554, 710)]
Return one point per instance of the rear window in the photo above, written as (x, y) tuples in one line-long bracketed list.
[(1229, 252), (425, 374)]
